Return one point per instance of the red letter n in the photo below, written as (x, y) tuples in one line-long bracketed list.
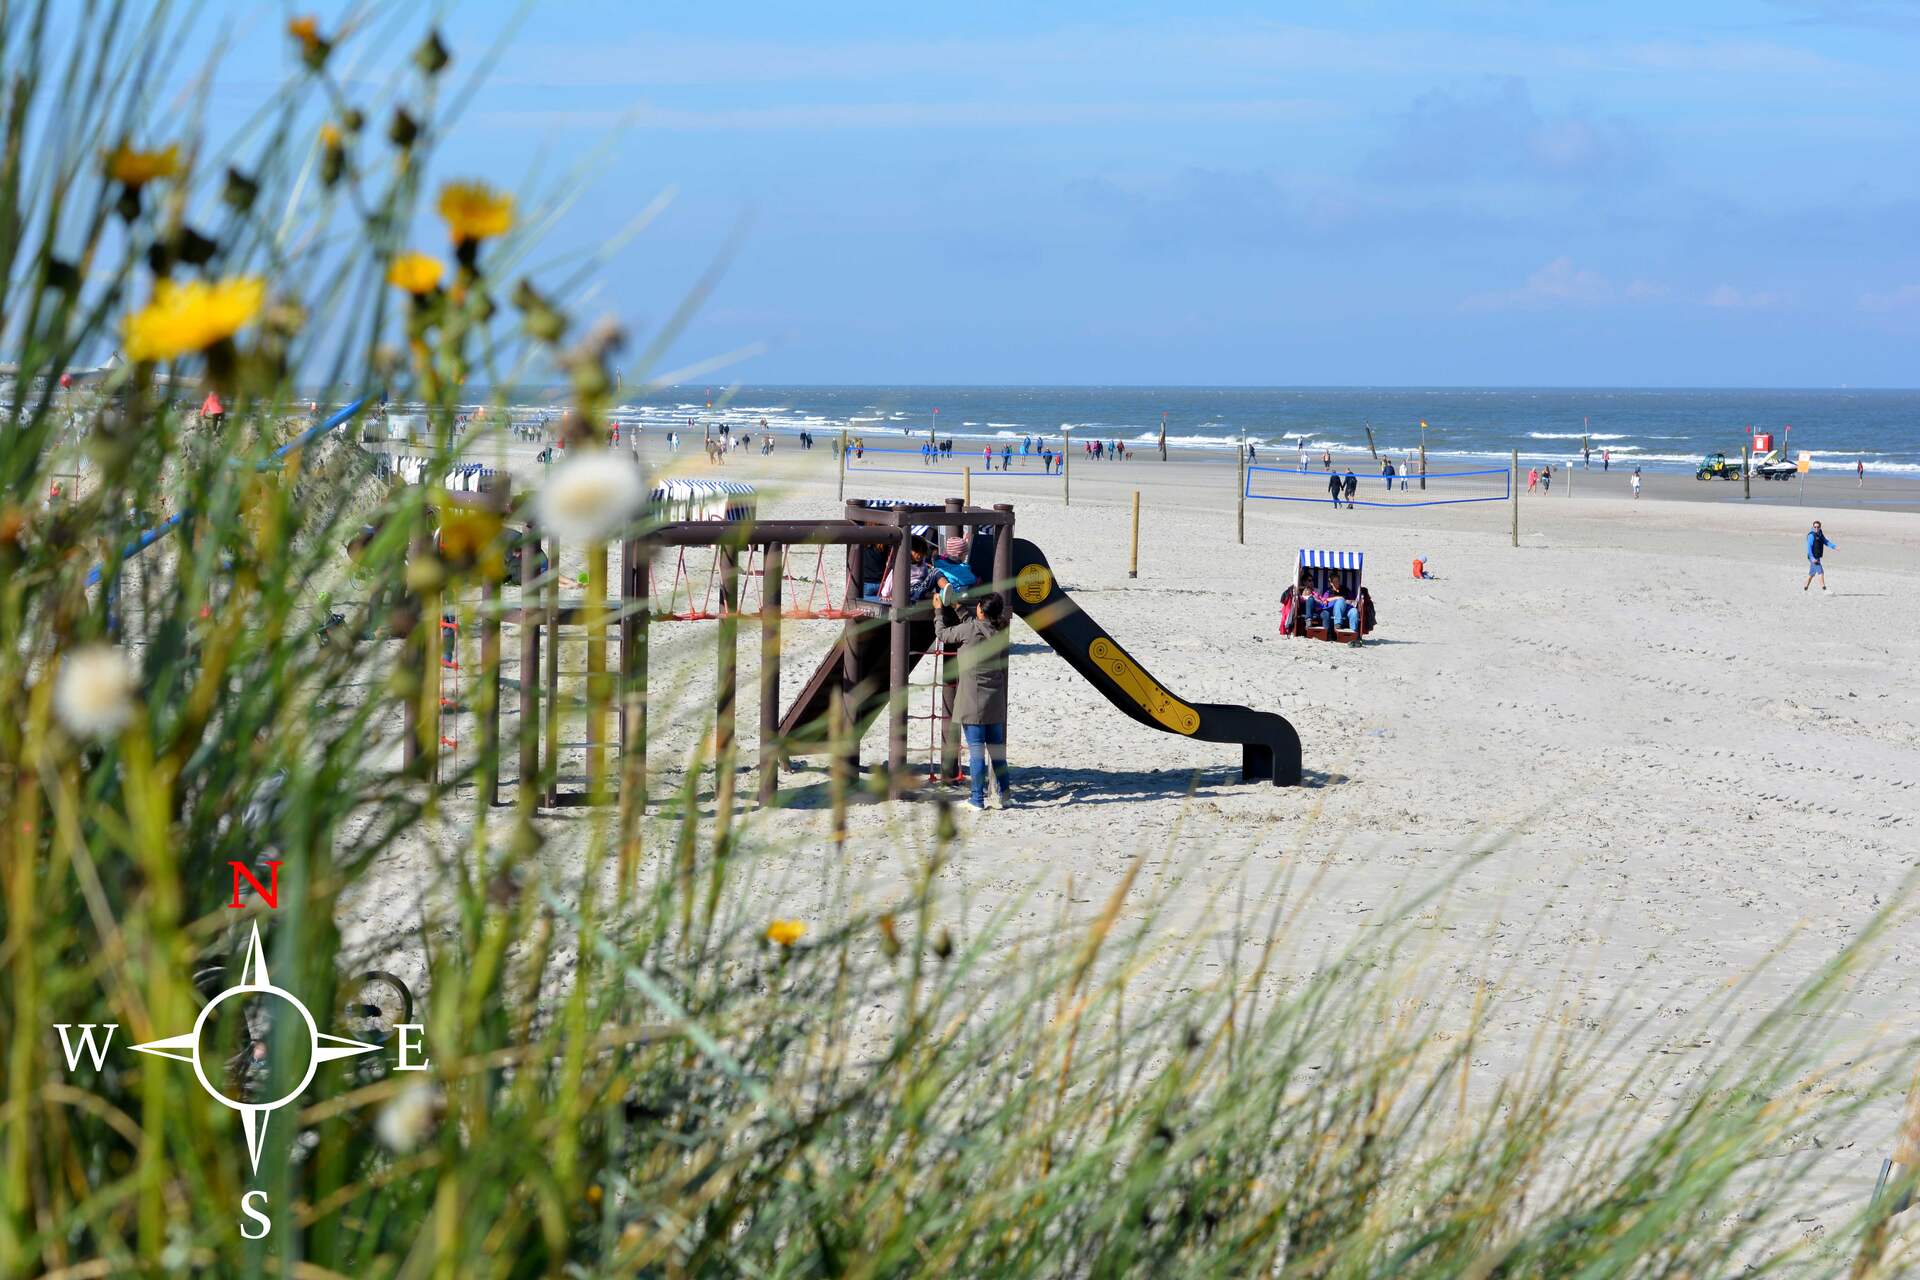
[(270, 893)]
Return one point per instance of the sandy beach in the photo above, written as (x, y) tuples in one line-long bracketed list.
[(1679, 766)]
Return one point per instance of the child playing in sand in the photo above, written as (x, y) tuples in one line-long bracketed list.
[(980, 705), (1636, 482)]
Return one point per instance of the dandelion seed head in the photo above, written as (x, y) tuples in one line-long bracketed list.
[(93, 694), (590, 497), (406, 1119)]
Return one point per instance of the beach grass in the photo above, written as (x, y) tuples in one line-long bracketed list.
[(639, 1065)]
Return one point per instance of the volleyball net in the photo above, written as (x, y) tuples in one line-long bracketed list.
[(1435, 489)]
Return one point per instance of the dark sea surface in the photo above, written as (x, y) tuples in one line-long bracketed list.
[(1662, 429)]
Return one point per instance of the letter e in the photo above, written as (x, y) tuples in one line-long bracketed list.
[(409, 1044)]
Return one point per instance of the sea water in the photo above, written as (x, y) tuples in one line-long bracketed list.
[(1658, 429)]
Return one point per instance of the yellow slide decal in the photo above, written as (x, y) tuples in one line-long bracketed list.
[(1032, 583), (1140, 686)]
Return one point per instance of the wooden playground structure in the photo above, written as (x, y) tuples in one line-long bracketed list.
[(866, 672)]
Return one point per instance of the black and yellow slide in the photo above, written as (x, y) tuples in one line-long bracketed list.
[(1269, 746)]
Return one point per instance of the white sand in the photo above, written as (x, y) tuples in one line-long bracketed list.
[(1682, 761)]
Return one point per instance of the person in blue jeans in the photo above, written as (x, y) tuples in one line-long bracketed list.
[(1817, 544), (979, 645), (1331, 604)]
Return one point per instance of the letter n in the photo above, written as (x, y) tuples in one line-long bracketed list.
[(269, 892)]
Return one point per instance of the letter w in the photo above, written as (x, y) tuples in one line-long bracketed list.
[(97, 1052)]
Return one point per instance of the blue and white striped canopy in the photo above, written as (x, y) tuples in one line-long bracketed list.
[(1312, 559)]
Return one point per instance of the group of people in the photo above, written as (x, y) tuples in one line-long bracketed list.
[(1107, 450), (1329, 605), (1540, 479), (973, 632), (1343, 486)]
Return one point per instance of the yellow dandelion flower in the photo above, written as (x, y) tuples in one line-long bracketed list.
[(475, 211), (137, 168), (329, 134), (786, 932), (416, 273), (184, 318), (305, 28)]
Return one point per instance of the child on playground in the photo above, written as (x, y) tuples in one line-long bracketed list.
[(979, 640)]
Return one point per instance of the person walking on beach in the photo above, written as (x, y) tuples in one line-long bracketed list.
[(1333, 489), (1860, 473), (1546, 478), (1352, 486), (1326, 460), (1386, 472), (1606, 460), (1817, 543), (1586, 456), (1636, 483), (1533, 480), (979, 642)]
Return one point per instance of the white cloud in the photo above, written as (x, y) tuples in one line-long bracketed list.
[(822, 116), (1899, 299), (1562, 284), (1728, 298)]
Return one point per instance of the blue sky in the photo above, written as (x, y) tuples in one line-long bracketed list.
[(1495, 193)]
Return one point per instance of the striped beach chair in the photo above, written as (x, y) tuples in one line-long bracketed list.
[(1312, 569), (704, 500)]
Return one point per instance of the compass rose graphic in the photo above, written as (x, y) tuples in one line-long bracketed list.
[(254, 982)]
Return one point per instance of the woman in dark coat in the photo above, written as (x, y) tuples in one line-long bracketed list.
[(980, 705)]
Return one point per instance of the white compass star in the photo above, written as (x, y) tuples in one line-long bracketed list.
[(255, 982)]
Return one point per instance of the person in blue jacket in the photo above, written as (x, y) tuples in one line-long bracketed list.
[(1817, 543)]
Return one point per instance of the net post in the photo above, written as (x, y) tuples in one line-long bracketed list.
[(1513, 490), (1242, 469)]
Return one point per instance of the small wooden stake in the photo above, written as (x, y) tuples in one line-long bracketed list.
[(1133, 563)]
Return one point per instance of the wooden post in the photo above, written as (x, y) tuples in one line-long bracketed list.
[(966, 486), (489, 692), (723, 698), (1163, 435), (550, 619), (1133, 561), (1370, 449), (595, 618), (770, 606), (1066, 467), (1423, 462), (1513, 484), (1242, 469), (837, 753), (1746, 472), (636, 609), (1003, 560), (1003, 564), (529, 668), (843, 464), (850, 668), (897, 666)]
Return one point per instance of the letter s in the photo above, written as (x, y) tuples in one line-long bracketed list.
[(247, 1207)]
